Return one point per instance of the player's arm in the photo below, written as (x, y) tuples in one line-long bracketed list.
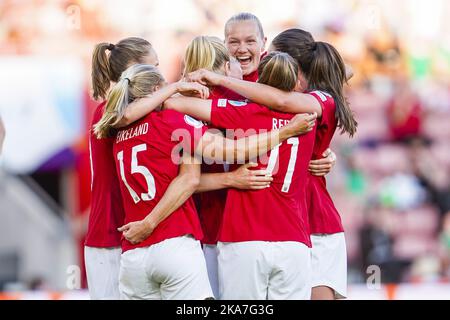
[(242, 178), (195, 107), (218, 148), (178, 192), (2, 135), (291, 102), (141, 107)]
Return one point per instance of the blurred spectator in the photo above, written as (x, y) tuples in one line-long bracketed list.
[(377, 245), (2, 134), (433, 175), (404, 112)]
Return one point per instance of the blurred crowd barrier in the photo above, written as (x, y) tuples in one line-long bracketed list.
[(355, 292)]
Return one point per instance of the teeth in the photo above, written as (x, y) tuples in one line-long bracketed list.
[(243, 58)]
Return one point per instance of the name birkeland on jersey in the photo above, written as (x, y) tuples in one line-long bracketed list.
[(147, 156), (277, 213), (323, 215), (107, 213)]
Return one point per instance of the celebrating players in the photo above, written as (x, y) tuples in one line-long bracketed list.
[(264, 241), (146, 155)]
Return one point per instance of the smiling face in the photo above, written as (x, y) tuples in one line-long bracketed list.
[(245, 42)]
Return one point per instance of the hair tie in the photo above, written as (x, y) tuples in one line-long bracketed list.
[(315, 46), (111, 46), (129, 81)]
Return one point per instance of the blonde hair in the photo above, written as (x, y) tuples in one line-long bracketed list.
[(279, 70), (136, 82), (107, 68), (245, 16), (205, 53)]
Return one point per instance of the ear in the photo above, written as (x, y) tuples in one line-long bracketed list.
[(264, 44), (227, 68)]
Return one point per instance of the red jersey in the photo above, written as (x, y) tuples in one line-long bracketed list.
[(252, 77), (323, 215), (147, 155), (107, 213), (210, 205), (276, 213)]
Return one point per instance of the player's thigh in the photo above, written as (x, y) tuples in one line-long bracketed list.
[(329, 263), (243, 270), (102, 270), (291, 276), (180, 268), (134, 280)]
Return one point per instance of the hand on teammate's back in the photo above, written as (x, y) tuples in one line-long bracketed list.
[(192, 89), (323, 166), (246, 179), (204, 77), (301, 124), (136, 232)]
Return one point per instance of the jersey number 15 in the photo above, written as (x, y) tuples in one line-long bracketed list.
[(135, 168)]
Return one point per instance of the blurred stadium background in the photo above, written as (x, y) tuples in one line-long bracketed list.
[(391, 183)]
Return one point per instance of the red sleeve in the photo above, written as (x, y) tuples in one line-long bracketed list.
[(188, 131), (325, 101), (228, 114)]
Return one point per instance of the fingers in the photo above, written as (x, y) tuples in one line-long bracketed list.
[(320, 167), (326, 153), (124, 228), (311, 117), (261, 179), (319, 162), (259, 173), (319, 173), (251, 165), (259, 187)]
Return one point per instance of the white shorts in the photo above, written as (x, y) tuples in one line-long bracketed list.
[(102, 270), (173, 269), (329, 263), (264, 271), (211, 252)]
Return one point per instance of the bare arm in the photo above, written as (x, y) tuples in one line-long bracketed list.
[(218, 148), (141, 107), (178, 192), (197, 108), (292, 102)]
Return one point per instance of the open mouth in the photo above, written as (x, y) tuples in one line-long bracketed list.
[(244, 60)]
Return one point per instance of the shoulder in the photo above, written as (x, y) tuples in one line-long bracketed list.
[(179, 119), (322, 96)]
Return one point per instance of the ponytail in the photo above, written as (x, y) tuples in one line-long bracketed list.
[(327, 73), (323, 68), (107, 68), (278, 70), (136, 82), (101, 71)]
